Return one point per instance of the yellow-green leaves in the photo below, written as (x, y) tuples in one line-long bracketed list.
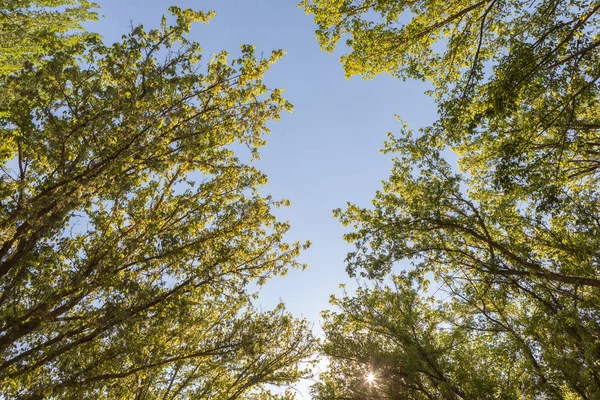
[(130, 230), (508, 235), (33, 30)]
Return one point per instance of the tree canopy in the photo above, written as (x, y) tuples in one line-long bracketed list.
[(133, 238), (130, 231), (502, 296)]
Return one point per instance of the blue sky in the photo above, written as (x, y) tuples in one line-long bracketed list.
[(319, 157)]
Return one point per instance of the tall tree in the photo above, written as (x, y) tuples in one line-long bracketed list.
[(393, 343), (130, 230), (514, 306), (509, 236)]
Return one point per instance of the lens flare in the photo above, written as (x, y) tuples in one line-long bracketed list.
[(370, 378)]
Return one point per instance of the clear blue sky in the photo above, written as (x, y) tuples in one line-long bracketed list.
[(319, 157)]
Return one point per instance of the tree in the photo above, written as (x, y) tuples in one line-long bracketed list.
[(514, 307), (130, 230), (508, 236), (406, 342)]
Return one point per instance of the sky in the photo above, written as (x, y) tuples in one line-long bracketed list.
[(322, 155)]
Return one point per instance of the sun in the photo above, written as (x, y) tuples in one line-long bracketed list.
[(370, 378)]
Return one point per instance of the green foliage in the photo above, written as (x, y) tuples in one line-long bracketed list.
[(509, 238), (420, 348), (129, 228), (516, 81), (32, 30)]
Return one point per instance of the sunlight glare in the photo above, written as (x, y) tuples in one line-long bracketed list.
[(370, 378)]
